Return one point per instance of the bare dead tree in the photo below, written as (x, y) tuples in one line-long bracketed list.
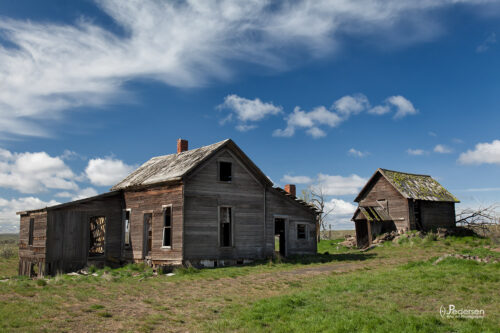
[(316, 197), (480, 220)]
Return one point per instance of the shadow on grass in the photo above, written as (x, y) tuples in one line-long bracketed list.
[(327, 258)]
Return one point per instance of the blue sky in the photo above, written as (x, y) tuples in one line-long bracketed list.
[(317, 93)]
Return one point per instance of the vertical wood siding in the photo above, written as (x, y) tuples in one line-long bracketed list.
[(204, 193), (151, 200)]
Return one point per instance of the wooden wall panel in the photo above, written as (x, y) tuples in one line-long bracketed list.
[(397, 204), (437, 214), (279, 205), (151, 200), (204, 194)]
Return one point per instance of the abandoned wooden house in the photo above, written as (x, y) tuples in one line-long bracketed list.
[(401, 201), (210, 206)]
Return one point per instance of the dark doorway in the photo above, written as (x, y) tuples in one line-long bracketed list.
[(362, 239), (148, 234), (279, 236)]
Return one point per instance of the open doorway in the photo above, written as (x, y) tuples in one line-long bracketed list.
[(148, 234), (279, 236)]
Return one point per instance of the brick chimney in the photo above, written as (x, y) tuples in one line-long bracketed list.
[(182, 145), (290, 189)]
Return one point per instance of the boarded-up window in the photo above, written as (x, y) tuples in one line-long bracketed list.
[(97, 236), (167, 226), (225, 172), (30, 231), (301, 231), (225, 226), (126, 228)]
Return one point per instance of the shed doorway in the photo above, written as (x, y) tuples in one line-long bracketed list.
[(148, 234), (279, 236), (362, 237)]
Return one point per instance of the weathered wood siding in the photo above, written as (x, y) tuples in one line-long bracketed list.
[(152, 200), (281, 206), (68, 233), (397, 204), (32, 255), (204, 194), (437, 214)]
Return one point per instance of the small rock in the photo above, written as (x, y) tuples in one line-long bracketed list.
[(170, 274)]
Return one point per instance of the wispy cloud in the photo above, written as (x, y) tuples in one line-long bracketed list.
[(356, 153), (289, 179), (48, 68), (416, 152), (487, 43), (442, 149)]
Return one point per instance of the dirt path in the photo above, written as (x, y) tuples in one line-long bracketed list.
[(184, 305)]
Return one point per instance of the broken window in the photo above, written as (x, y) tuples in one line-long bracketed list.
[(167, 226), (225, 226), (126, 228), (225, 172), (30, 231), (97, 236), (301, 231)]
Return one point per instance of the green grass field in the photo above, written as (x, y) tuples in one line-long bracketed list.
[(394, 287)]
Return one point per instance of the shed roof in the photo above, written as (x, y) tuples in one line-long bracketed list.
[(413, 186), (175, 166)]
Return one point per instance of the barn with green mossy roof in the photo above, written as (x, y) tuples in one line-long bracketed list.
[(393, 200)]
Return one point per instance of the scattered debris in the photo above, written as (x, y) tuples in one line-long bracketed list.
[(170, 274), (388, 236), (350, 241), (487, 259), (73, 274), (369, 247)]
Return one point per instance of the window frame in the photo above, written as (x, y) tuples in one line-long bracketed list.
[(219, 225), (164, 209), (305, 231), (219, 171), (125, 245)]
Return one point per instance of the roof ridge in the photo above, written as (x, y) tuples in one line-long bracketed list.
[(407, 173), (189, 150)]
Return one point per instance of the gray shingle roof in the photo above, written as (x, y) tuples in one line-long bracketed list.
[(168, 167), (419, 187)]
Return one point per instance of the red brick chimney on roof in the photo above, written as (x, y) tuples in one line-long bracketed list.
[(290, 189), (182, 145)]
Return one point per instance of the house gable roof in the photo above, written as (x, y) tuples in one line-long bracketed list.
[(412, 186), (174, 167)]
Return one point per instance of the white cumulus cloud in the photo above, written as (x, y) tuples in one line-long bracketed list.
[(247, 110), (107, 171), (339, 185), (403, 106), (34, 172), (483, 153), (315, 121), (9, 221)]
